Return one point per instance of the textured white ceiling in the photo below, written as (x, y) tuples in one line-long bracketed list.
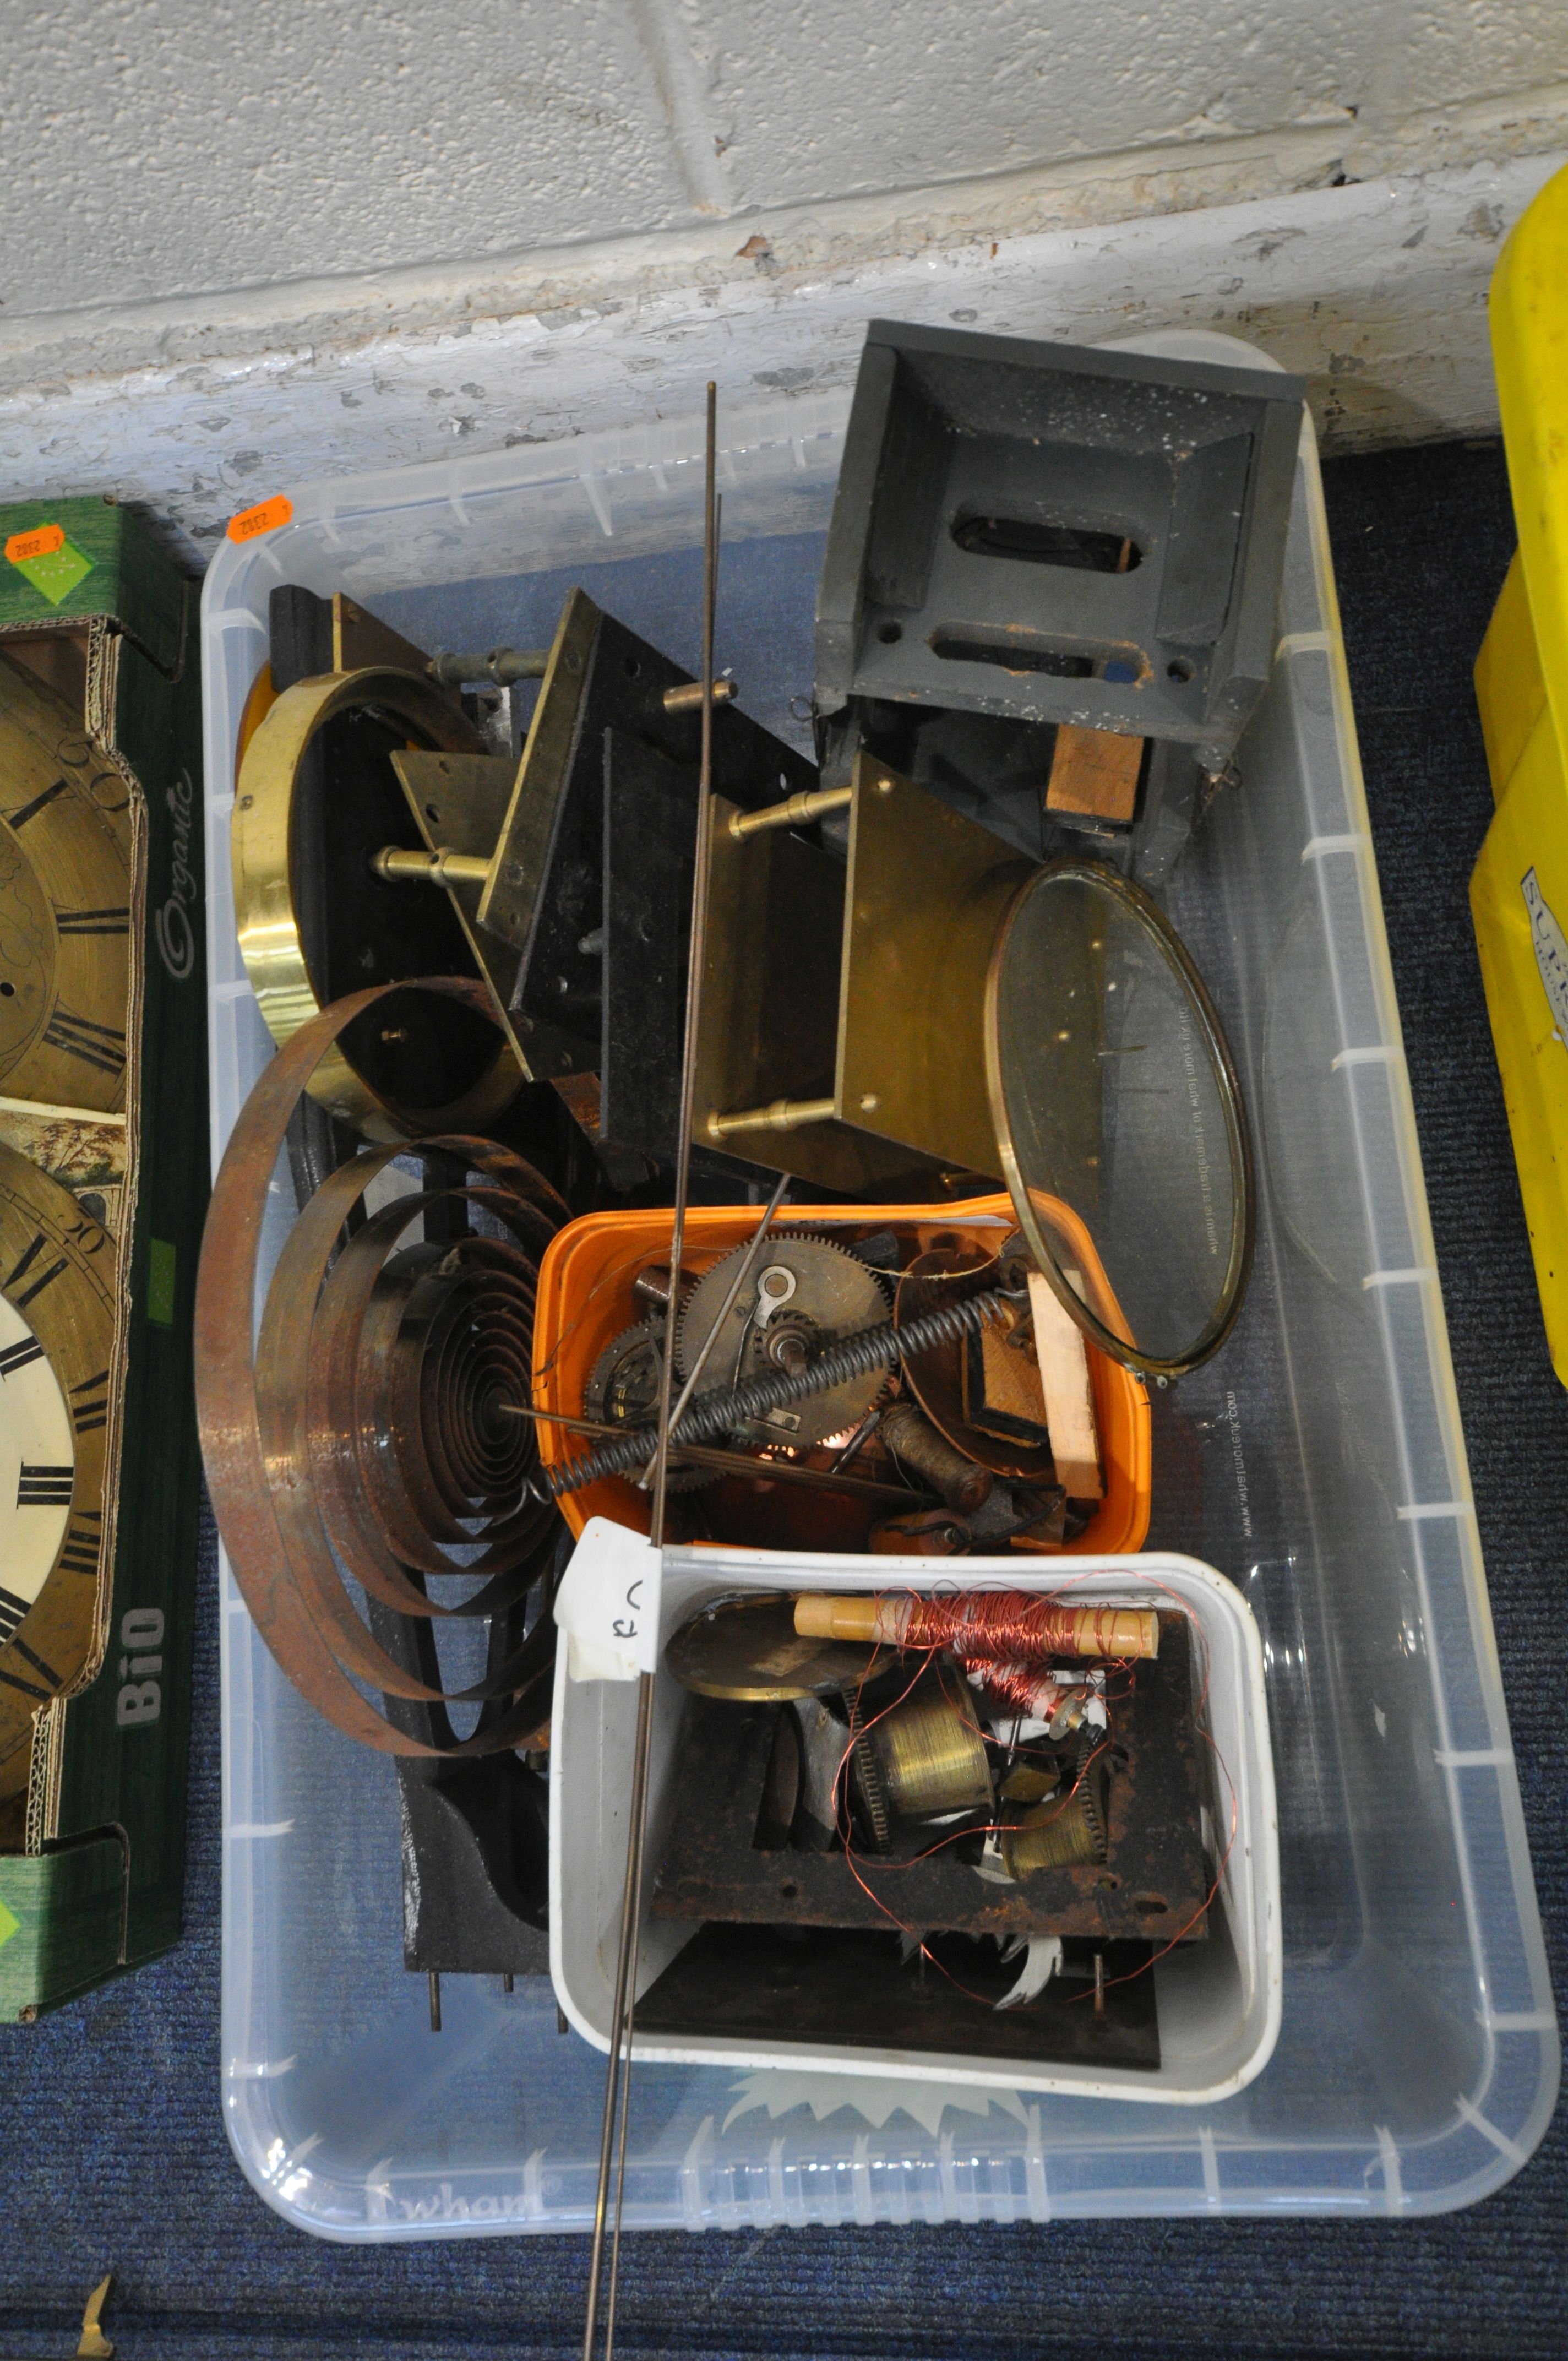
[(159, 148)]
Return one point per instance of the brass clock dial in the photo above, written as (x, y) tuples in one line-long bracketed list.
[(57, 1329), (65, 897)]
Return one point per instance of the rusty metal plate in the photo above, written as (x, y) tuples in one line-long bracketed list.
[(1154, 1882), (853, 1991), (650, 859)]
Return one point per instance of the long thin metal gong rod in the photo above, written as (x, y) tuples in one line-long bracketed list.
[(667, 1427), (631, 1914), (622, 1971)]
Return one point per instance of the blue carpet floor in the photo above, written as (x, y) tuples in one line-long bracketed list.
[(112, 2154)]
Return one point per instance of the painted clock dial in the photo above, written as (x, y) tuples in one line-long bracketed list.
[(57, 1326), (65, 904)]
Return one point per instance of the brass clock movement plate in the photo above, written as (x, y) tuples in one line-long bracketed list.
[(316, 795), (65, 897), (57, 1329)]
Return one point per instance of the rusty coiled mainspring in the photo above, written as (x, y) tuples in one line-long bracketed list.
[(366, 1434), (714, 1413)]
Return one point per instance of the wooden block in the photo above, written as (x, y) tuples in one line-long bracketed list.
[(1063, 1352), (1002, 1392), (1094, 773)]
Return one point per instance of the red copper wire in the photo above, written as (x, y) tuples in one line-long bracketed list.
[(1005, 1625), (1025, 1687), (1012, 1624)]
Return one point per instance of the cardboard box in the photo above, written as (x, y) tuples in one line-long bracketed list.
[(91, 1860)]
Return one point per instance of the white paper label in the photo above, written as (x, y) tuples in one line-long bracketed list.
[(607, 1605), (1550, 951)]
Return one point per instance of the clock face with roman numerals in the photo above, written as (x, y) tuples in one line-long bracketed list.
[(38, 1468), (65, 904), (57, 1327)]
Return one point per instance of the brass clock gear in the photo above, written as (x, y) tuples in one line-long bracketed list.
[(65, 905), (805, 1295), (57, 1331), (623, 1389)]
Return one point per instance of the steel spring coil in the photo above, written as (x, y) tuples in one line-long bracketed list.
[(714, 1413)]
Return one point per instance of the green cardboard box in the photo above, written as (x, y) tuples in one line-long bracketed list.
[(92, 1873)]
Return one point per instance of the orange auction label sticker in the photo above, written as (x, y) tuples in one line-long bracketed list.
[(42, 542), (267, 517)]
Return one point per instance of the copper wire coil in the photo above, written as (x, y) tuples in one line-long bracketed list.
[(367, 1433), (1032, 1694), (1006, 1682), (1011, 1626)]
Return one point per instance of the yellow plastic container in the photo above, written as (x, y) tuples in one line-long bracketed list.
[(1519, 893)]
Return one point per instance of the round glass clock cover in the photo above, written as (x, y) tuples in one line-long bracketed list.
[(1113, 1090)]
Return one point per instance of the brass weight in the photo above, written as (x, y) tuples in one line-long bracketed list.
[(1067, 1832), (932, 1755)]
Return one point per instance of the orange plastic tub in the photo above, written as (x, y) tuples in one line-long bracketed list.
[(586, 1300)]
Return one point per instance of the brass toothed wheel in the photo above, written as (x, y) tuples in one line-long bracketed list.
[(1071, 1829), (623, 1390), (805, 1295)]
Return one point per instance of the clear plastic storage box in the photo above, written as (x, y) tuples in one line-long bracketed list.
[(1318, 1460)]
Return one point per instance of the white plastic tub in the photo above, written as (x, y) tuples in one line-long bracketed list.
[(1218, 2002), (1317, 1463)]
